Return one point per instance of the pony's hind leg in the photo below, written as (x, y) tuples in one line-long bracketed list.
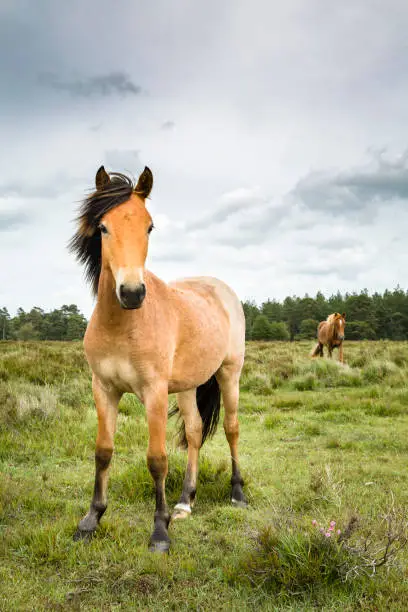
[(193, 424), (318, 350), (106, 402), (228, 379)]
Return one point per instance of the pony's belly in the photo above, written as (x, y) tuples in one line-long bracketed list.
[(185, 383), (194, 371)]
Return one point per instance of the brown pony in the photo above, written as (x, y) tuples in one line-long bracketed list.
[(151, 338), (331, 333)]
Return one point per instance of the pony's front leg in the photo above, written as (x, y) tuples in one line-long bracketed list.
[(106, 401), (156, 404), (341, 358), (187, 403)]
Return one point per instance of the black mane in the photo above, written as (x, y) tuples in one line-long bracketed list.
[(86, 242)]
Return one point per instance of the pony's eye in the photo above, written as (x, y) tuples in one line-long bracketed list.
[(103, 229), (150, 228)]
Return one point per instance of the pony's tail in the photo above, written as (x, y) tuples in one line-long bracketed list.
[(316, 350), (209, 403)]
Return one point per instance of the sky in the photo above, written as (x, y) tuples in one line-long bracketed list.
[(277, 134)]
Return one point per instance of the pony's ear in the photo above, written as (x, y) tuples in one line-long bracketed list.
[(101, 179), (145, 183), (344, 315)]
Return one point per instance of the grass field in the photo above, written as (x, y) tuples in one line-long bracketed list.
[(319, 442)]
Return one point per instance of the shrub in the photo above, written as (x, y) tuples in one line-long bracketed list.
[(261, 329), (278, 331), (290, 562), (305, 383), (378, 370), (307, 329)]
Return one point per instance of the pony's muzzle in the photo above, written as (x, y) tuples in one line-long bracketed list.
[(131, 298)]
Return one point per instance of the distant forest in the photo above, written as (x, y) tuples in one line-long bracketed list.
[(65, 323), (368, 317)]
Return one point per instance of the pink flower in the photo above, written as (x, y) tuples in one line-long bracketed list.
[(332, 523), (338, 532), (331, 528), (314, 522), (321, 530), (328, 535)]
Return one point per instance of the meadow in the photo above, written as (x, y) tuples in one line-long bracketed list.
[(320, 443)]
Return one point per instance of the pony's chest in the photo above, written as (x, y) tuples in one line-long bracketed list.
[(119, 372)]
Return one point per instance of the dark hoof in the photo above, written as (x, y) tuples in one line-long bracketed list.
[(237, 496), (162, 546), (85, 536)]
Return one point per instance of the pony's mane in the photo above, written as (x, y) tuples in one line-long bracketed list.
[(86, 242), (331, 320), (333, 317)]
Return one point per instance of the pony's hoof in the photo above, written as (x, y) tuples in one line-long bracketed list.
[(181, 511), (180, 515), (239, 503), (162, 546), (238, 498), (84, 536)]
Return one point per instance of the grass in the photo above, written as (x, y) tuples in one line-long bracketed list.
[(319, 441)]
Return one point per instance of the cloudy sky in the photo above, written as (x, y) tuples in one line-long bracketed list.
[(277, 133)]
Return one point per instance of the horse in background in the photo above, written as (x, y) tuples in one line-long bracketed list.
[(331, 334), (153, 338)]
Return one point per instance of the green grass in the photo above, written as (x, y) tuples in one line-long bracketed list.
[(319, 441)]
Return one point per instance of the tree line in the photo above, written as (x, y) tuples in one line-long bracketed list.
[(65, 323), (368, 317)]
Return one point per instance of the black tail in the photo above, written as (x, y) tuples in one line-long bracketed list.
[(209, 403)]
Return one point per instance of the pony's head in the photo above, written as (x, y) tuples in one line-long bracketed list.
[(113, 233), (339, 323)]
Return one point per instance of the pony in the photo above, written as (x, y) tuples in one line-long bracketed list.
[(331, 334), (152, 339)]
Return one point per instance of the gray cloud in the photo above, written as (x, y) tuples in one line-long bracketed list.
[(254, 230), (229, 205), (168, 126), (324, 209), (359, 191), (114, 83), (12, 220), (96, 127)]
